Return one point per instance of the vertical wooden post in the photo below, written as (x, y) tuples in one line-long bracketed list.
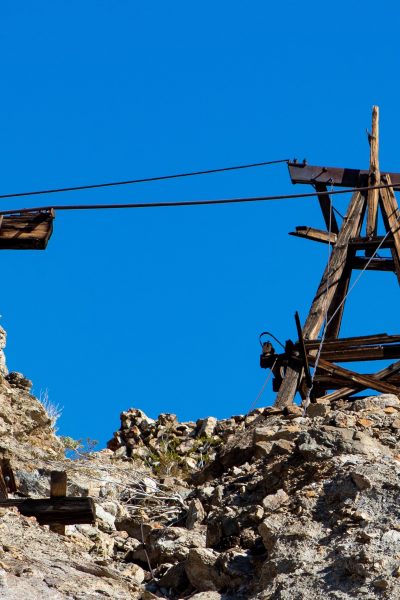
[(374, 174), (58, 489)]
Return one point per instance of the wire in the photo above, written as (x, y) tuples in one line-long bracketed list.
[(262, 390), (143, 180), (188, 202)]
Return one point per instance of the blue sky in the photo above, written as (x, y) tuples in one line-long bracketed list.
[(161, 310)]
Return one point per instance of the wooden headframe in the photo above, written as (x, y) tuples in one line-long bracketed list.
[(327, 308)]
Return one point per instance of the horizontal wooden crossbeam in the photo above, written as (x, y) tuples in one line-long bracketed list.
[(339, 177), (362, 353), (316, 235), (67, 511), (375, 264), (354, 341)]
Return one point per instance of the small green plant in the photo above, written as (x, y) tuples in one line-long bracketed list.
[(75, 449)]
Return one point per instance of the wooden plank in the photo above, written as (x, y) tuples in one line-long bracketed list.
[(376, 264), (363, 243), (326, 208), (339, 176), (391, 218), (325, 293), (327, 382), (316, 235), (58, 489), (347, 342), (362, 354), (358, 378), (374, 175), (68, 511), (336, 308), (384, 374)]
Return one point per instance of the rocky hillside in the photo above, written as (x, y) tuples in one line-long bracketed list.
[(272, 505)]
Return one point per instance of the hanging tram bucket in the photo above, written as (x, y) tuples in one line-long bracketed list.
[(26, 231)]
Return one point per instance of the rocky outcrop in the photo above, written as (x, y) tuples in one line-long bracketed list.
[(276, 504)]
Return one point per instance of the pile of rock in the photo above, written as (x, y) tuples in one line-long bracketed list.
[(293, 506), (169, 446)]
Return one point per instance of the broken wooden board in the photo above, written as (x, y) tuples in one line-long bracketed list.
[(316, 235)]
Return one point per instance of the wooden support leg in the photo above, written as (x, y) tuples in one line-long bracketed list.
[(58, 489), (327, 289), (391, 218), (326, 207)]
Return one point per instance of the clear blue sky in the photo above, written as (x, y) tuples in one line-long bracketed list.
[(161, 310)]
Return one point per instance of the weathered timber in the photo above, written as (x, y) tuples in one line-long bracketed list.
[(329, 382), (336, 307), (30, 231), (348, 342), (326, 208), (67, 511), (303, 352), (325, 293), (363, 353), (384, 374), (374, 175), (391, 218), (363, 243), (58, 489), (375, 264), (316, 235), (338, 176), (358, 378)]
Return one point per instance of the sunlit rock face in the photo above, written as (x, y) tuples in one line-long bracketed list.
[(276, 504)]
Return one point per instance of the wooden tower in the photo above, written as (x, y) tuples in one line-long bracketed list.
[(351, 250)]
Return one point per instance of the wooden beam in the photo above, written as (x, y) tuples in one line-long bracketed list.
[(336, 308), (374, 175), (348, 342), (325, 293), (358, 378), (376, 264), (303, 352), (68, 511), (362, 353), (338, 176), (58, 489), (391, 218), (362, 243), (326, 207), (344, 392), (316, 235)]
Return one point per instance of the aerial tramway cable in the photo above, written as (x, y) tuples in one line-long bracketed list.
[(172, 204), (93, 186)]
